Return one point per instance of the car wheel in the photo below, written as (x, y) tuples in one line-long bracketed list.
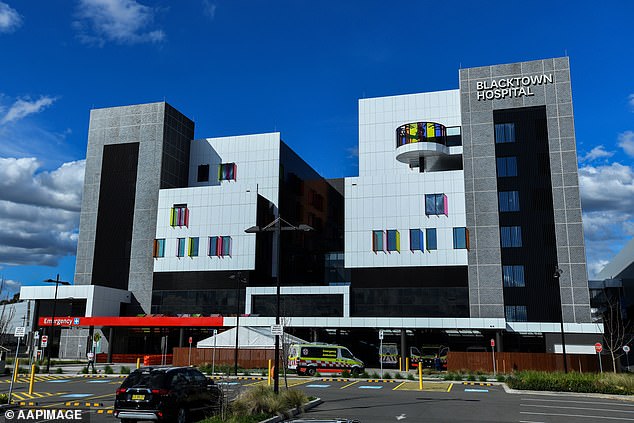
[(181, 416), (355, 371), (310, 371), (301, 372)]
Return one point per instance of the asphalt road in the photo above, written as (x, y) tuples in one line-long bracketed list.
[(367, 401)]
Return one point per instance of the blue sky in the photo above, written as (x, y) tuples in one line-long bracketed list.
[(298, 67)]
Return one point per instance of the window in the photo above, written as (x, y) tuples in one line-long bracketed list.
[(219, 246), (509, 201), (179, 215), (507, 166), (378, 241), (180, 249), (516, 313), (193, 247), (203, 173), (416, 240), (511, 236), (227, 172), (393, 240), (460, 239), (513, 276), (435, 204), (432, 242), (504, 132), (159, 248)]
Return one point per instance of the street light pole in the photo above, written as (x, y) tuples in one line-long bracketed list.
[(277, 228), (557, 275), (239, 278), (57, 282)]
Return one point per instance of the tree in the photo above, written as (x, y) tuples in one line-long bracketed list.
[(7, 312), (617, 329)]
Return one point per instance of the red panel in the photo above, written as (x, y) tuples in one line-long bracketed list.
[(140, 322)]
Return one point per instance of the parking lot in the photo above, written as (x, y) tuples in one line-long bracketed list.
[(366, 400)]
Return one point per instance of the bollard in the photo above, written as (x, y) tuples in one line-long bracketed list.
[(407, 364), (269, 374), (15, 370), (400, 365), (32, 379), (138, 362), (420, 377)]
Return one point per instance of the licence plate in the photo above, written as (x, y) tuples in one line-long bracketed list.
[(138, 397)]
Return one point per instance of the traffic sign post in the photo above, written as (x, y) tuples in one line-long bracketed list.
[(213, 360), (493, 354), (19, 333), (277, 330), (598, 348), (44, 341), (626, 350), (190, 350), (381, 350)]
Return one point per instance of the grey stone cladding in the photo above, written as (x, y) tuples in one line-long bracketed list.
[(485, 271), (164, 136)]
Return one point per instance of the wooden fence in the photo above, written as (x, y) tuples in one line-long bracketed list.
[(247, 359), (507, 362)]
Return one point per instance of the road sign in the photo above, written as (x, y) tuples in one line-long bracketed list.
[(598, 347), (44, 341), (36, 334), (626, 349), (191, 340), (380, 334), (20, 331), (492, 342), (215, 332), (277, 330)]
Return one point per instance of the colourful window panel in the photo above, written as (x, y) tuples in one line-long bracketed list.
[(225, 249), (516, 313), (504, 132), (416, 240), (513, 276), (460, 238), (227, 172), (193, 247), (436, 204), (413, 132), (432, 239), (179, 215), (159, 248), (214, 245), (180, 247), (378, 243), (511, 236), (507, 166), (393, 240), (509, 201)]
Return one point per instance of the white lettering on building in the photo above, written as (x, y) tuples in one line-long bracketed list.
[(510, 87)]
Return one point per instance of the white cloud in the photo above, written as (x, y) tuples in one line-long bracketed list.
[(353, 152), (626, 142), (597, 152), (10, 19), (631, 100), (209, 9), (39, 211), (119, 21), (24, 107)]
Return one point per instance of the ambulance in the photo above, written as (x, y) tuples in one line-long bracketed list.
[(307, 359)]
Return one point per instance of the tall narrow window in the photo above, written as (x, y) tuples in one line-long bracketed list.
[(179, 215), (432, 242), (504, 132), (225, 249), (509, 201), (507, 166), (513, 276), (393, 240), (511, 236), (227, 172), (203, 173), (180, 248), (193, 247), (378, 243), (416, 240), (460, 238), (159, 248), (436, 204), (214, 245), (516, 313)]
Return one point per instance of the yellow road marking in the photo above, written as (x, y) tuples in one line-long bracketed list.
[(399, 385), (450, 386), (301, 382), (260, 382), (350, 384), (61, 403)]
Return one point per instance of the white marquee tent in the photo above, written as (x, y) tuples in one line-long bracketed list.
[(248, 338)]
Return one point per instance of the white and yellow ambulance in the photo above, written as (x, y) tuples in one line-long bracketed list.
[(307, 359)]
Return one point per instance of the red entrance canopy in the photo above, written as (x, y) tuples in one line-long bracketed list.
[(139, 322)]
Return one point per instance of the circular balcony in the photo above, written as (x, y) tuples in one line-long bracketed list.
[(420, 139)]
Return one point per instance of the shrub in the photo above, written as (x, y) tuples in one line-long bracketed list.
[(108, 370), (500, 378), (410, 377), (59, 371), (259, 399), (398, 376), (427, 372), (375, 375), (84, 370), (317, 374), (364, 375), (37, 369), (386, 375), (482, 378), (345, 373), (293, 398), (4, 398), (572, 382), (471, 377), (124, 370)]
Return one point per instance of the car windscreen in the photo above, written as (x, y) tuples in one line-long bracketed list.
[(152, 379)]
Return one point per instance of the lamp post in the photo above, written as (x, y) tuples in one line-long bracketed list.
[(276, 226), (239, 279), (57, 282), (557, 275)]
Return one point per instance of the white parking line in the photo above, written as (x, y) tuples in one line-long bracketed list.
[(578, 415), (579, 402), (317, 386), (576, 408), (530, 421)]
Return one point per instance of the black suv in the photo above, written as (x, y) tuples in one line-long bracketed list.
[(169, 394)]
